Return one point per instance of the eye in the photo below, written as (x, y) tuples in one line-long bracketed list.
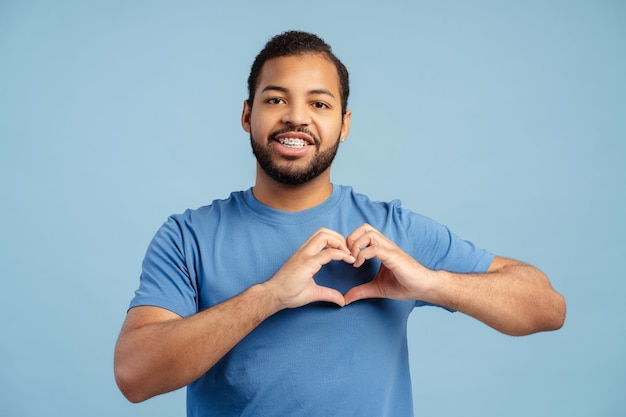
[(275, 100), (320, 105)]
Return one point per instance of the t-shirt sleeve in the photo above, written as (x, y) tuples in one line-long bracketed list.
[(455, 254), (165, 280), (437, 248)]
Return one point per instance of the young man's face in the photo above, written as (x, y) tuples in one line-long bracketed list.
[(295, 122)]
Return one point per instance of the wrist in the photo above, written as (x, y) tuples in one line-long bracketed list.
[(438, 287), (266, 295)]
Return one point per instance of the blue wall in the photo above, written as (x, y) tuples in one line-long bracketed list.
[(505, 121)]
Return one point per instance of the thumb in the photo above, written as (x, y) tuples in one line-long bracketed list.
[(361, 292), (330, 295)]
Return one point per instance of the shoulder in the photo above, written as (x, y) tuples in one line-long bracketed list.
[(190, 223), (391, 210), (216, 208), (364, 202)]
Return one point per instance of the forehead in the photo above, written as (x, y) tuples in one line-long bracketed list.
[(300, 72)]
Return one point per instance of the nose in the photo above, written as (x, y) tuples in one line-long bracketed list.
[(296, 115)]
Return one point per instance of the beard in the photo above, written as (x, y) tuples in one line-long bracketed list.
[(292, 174)]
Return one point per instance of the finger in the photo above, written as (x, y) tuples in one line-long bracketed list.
[(329, 295), (357, 233), (322, 231), (324, 239), (325, 256), (358, 245), (369, 247), (370, 237), (361, 292)]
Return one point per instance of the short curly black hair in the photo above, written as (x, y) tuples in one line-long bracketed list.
[(297, 43)]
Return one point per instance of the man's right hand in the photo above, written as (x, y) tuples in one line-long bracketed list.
[(159, 351), (293, 283)]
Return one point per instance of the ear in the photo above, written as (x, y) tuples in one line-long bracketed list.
[(245, 116), (345, 126)]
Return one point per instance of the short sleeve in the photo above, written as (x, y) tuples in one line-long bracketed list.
[(165, 280), (437, 248)]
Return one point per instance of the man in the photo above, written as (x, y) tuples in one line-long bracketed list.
[(292, 298)]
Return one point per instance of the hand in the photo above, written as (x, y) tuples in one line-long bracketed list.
[(294, 285), (400, 276)]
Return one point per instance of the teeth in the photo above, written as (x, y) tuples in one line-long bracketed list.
[(293, 142)]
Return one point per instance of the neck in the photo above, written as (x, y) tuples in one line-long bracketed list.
[(292, 197)]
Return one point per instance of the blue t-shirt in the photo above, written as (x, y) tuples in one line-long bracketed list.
[(316, 360)]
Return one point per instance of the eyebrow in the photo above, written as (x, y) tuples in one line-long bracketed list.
[(286, 90)]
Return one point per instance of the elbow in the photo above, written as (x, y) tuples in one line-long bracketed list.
[(129, 382), (549, 318), (128, 386), (553, 317), (559, 312)]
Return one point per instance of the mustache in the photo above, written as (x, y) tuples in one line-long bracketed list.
[(300, 129)]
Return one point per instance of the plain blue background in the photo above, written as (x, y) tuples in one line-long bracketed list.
[(505, 121)]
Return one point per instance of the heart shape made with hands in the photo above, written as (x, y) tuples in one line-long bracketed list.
[(394, 279)]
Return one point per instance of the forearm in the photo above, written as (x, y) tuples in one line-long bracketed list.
[(159, 357), (158, 351), (514, 298)]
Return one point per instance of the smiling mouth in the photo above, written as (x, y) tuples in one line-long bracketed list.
[(295, 139), (294, 143)]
